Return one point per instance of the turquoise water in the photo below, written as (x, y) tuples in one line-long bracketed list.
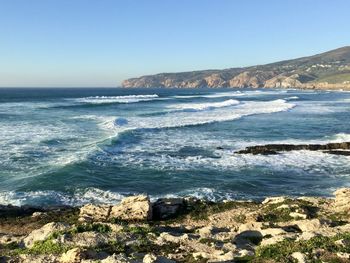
[(73, 146)]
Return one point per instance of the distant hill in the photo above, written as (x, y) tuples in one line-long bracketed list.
[(329, 70)]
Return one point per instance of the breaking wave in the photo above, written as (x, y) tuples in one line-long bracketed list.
[(117, 99), (182, 119), (203, 106)]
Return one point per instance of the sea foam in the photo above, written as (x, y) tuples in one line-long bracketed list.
[(117, 99)]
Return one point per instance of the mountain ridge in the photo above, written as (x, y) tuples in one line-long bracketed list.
[(327, 70)]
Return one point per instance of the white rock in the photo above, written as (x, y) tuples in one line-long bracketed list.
[(307, 235), (297, 215), (244, 253), (273, 231), (300, 257), (206, 231), (120, 258), (253, 226), (73, 255), (342, 242), (310, 225), (44, 232), (133, 208), (91, 212), (342, 200), (38, 214), (343, 255), (274, 200), (149, 258)]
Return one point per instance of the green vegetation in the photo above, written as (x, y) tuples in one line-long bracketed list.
[(100, 228), (113, 247), (275, 213), (47, 247), (281, 251), (202, 210), (337, 78)]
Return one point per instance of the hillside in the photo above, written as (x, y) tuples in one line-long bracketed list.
[(329, 70)]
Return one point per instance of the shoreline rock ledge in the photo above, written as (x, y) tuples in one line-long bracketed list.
[(278, 229), (342, 148)]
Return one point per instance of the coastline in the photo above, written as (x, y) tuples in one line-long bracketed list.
[(278, 229)]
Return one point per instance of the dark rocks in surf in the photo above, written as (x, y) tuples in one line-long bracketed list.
[(268, 149)]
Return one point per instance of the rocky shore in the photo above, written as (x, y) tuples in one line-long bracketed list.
[(342, 148), (278, 229)]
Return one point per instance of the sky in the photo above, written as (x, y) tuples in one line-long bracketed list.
[(99, 43)]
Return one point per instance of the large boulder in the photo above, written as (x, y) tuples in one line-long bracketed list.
[(44, 232), (91, 212), (342, 200), (133, 208), (168, 207)]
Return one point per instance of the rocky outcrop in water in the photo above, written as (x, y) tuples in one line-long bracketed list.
[(331, 148), (329, 70)]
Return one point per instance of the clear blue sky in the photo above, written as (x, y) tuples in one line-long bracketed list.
[(101, 42)]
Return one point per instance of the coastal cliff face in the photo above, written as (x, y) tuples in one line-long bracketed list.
[(329, 70)]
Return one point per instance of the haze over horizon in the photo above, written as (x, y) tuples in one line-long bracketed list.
[(84, 43)]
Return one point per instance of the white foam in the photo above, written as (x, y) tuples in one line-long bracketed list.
[(117, 99), (78, 198), (292, 98), (181, 119), (204, 106)]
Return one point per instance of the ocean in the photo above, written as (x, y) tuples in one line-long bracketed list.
[(98, 145)]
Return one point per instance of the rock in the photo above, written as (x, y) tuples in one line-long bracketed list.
[(307, 235), (152, 258), (38, 214), (311, 225), (44, 232), (7, 239), (89, 213), (267, 149), (206, 231), (342, 200), (274, 200), (300, 257), (133, 208), (120, 258), (272, 240), (24, 258), (73, 255), (342, 242), (149, 258), (273, 232), (297, 215), (167, 237), (215, 256), (90, 239), (168, 207), (252, 226), (343, 255), (244, 253)]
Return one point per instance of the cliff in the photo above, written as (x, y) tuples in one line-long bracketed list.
[(329, 70)]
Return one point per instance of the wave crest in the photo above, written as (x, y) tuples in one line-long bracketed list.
[(204, 106), (117, 99)]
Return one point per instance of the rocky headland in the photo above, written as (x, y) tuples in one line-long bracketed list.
[(277, 229), (327, 71)]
